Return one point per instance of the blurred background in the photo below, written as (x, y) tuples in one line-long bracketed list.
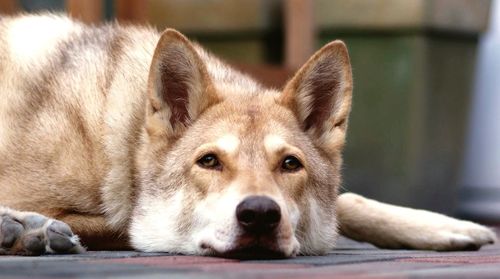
[(425, 126)]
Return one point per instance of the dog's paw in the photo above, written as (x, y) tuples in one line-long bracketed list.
[(27, 233), (461, 235)]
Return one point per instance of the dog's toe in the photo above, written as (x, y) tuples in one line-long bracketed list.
[(61, 239), (10, 231), (33, 243)]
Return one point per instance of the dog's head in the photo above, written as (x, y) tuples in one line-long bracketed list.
[(230, 168)]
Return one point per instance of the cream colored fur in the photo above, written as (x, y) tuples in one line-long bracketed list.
[(399, 227)]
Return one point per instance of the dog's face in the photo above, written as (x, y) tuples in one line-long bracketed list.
[(229, 168)]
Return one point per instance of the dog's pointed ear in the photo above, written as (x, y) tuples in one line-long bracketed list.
[(179, 87), (320, 95)]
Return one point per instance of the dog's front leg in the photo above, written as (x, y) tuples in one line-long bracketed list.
[(95, 233), (395, 227)]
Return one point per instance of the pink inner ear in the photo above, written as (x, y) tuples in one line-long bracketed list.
[(323, 83), (175, 87)]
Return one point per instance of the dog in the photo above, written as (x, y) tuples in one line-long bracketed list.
[(119, 137)]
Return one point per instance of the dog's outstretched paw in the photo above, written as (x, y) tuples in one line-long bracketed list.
[(462, 235), (396, 227), (29, 234)]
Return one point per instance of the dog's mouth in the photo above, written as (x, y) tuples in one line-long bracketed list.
[(249, 247), (246, 246), (253, 252)]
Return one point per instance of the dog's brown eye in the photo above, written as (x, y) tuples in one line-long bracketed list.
[(291, 163), (209, 161)]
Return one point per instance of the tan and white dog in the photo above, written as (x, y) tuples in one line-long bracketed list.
[(133, 138)]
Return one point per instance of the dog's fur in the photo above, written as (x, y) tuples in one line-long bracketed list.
[(102, 128)]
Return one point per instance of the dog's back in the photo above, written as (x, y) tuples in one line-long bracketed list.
[(64, 86)]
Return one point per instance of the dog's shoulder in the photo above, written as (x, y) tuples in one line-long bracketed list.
[(36, 41)]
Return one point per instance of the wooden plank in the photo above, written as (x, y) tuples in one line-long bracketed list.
[(9, 7), (299, 32), (88, 11), (134, 11)]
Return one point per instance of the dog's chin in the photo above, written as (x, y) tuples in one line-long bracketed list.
[(254, 252), (247, 250)]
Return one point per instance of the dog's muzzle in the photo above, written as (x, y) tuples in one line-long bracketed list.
[(259, 224)]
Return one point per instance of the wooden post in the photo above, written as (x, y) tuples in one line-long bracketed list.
[(8, 7), (299, 32), (88, 11), (135, 11)]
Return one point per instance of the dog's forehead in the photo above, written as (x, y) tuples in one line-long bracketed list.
[(250, 135), (273, 142), (232, 143), (249, 122), (229, 142)]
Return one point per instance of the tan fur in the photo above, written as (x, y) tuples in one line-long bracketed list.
[(102, 128)]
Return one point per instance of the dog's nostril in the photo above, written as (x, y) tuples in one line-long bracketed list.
[(247, 216), (258, 214), (273, 216)]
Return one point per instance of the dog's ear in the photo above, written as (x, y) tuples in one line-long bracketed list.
[(179, 87), (320, 95)]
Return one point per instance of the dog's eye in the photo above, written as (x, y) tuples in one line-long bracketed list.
[(209, 161), (291, 163)]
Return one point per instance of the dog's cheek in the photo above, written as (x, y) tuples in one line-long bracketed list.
[(317, 228), (154, 223), (293, 185), (200, 180), (206, 181)]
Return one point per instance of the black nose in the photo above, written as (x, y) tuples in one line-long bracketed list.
[(258, 214)]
